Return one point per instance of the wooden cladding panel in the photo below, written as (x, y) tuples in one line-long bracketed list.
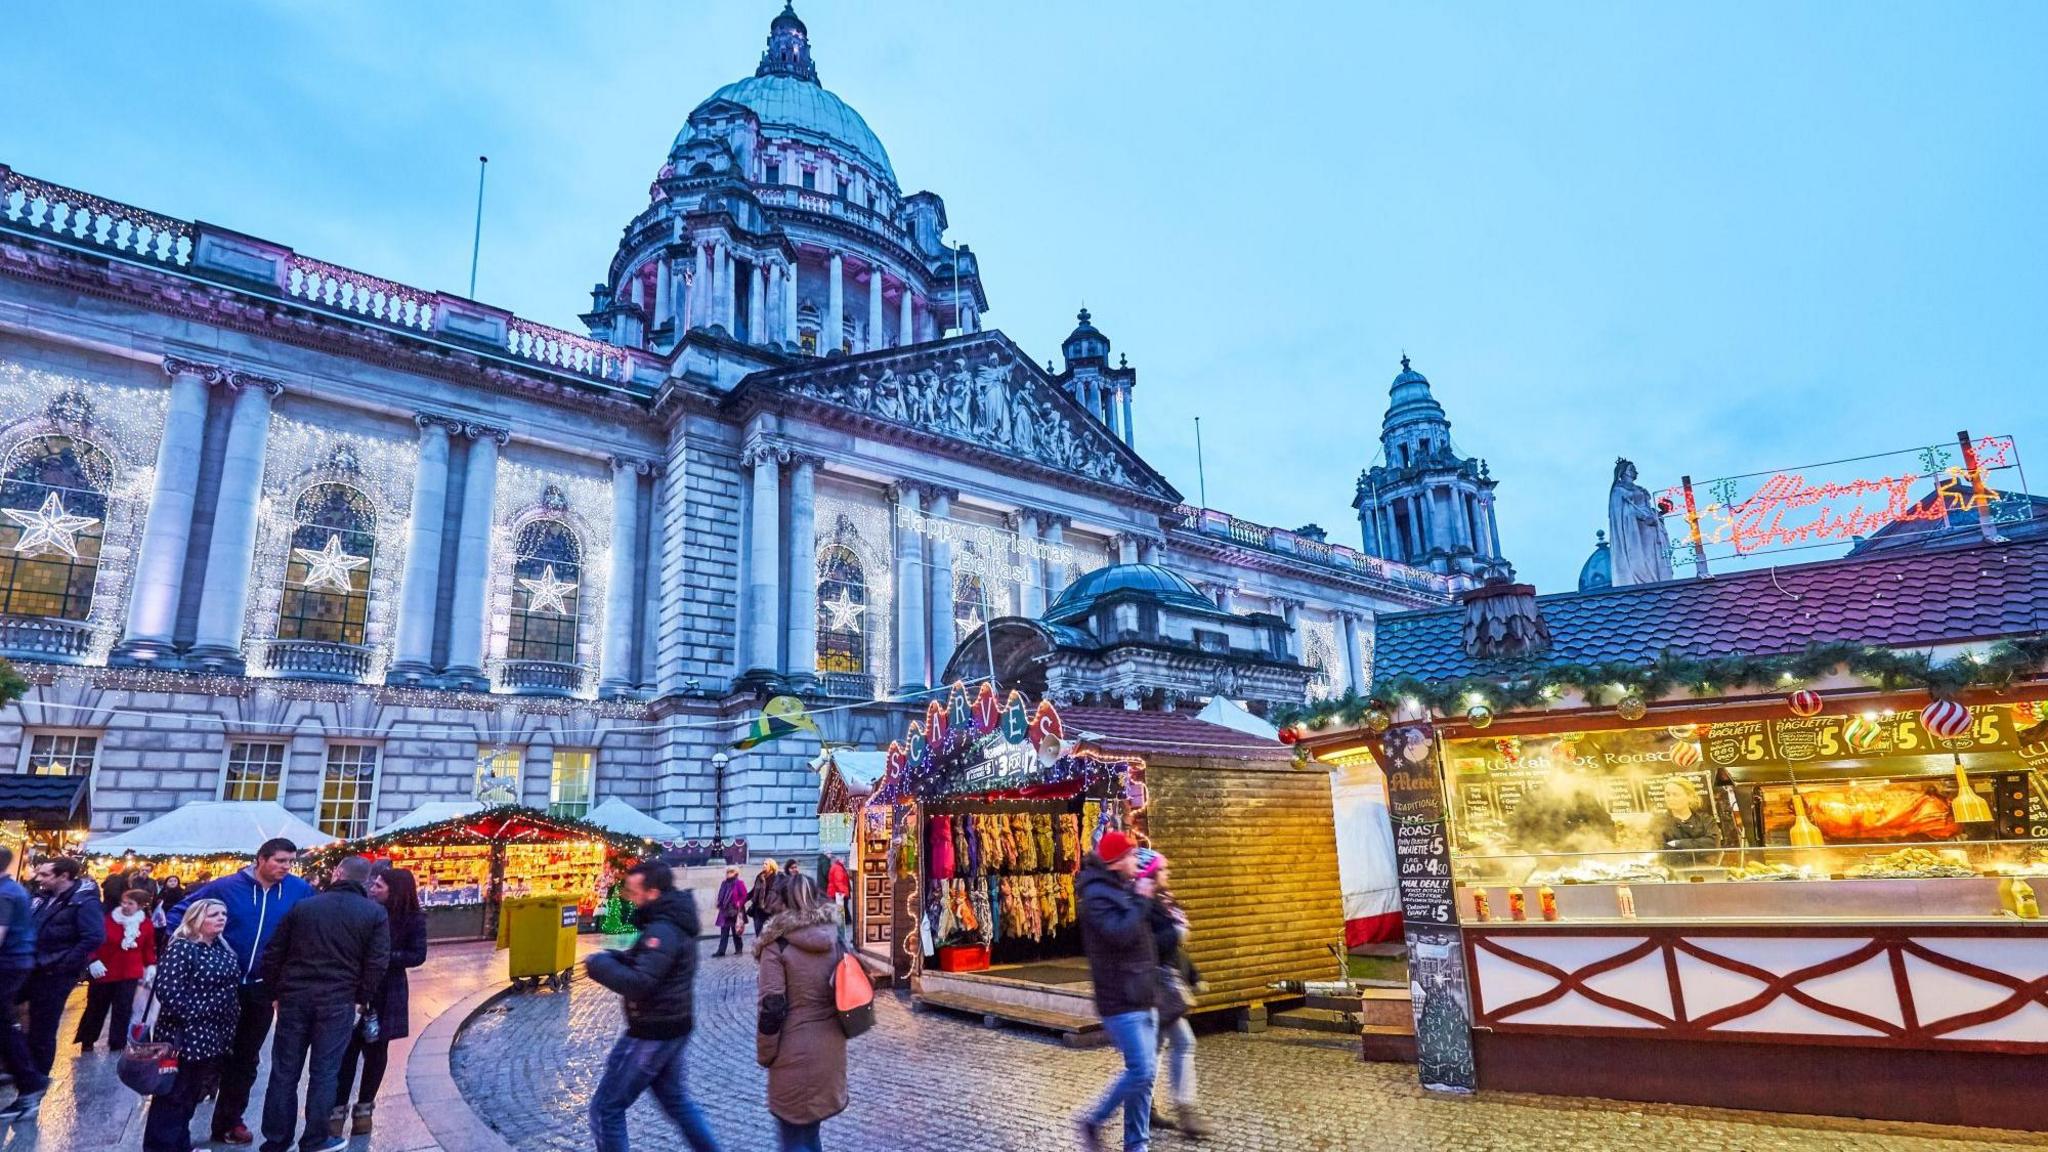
[(1254, 855)]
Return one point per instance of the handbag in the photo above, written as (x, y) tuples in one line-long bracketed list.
[(853, 994), (1175, 997), (148, 1066)]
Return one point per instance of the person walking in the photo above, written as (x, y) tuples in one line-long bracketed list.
[(757, 896), (839, 889), (399, 892), (325, 965), (126, 959), (656, 981), (1169, 925), (198, 989), (169, 895), (1123, 963), (69, 927), (797, 1035), (257, 899), (732, 913), (17, 960)]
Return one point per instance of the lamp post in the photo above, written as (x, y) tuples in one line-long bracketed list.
[(718, 762)]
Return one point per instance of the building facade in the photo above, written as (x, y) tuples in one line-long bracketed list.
[(279, 529), (1424, 504)]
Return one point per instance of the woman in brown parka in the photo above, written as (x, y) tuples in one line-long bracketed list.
[(798, 1038)]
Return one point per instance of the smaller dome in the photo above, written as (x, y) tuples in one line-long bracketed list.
[(1410, 400), (1144, 581), (1086, 341), (1598, 570)]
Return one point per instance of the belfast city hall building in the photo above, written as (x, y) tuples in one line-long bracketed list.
[(276, 529)]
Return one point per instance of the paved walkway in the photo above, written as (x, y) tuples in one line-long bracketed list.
[(88, 1109), (527, 1064)]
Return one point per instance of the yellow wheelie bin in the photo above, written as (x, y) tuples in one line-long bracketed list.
[(541, 932)]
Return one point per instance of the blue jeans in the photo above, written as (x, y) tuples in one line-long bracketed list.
[(636, 1066), (798, 1137), (320, 1031), (1136, 1036), (1179, 1038)]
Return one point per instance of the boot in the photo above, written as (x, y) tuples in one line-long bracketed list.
[(1190, 1122), (360, 1121), (1160, 1120), (337, 1120)]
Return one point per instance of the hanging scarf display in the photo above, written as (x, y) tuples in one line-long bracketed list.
[(1091, 825), (942, 847), (1070, 850), (1041, 830), (972, 825), (992, 895), (962, 860), (1027, 843), (1007, 837)]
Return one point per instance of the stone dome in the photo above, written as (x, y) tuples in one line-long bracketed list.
[(1598, 570), (1411, 401), (1142, 581), (785, 95)]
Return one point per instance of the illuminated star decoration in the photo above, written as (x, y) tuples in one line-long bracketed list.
[(547, 594), (49, 528), (969, 622), (845, 613), (329, 567)]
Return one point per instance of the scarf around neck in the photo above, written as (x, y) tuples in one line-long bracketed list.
[(131, 927)]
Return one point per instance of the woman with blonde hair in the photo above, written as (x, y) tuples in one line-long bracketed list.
[(757, 897), (197, 984)]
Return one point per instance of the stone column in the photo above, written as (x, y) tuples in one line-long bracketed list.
[(728, 292), (224, 598), (661, 296), (1148, 551), (764, 552), (1031, 595), (770, 323), (421, 583), (910, 588), (803, 571), (1492, 528), (940, 567), (757, 306), (159, 577), (1354, 652), (1130, 433), (649, 651), (473, 560), (790, 306), (621, 629), (1126, 548), (829, 335), (906, 326), (1418, 518), (1290, 610), (700, 288), (875, 339), (1056, 575)]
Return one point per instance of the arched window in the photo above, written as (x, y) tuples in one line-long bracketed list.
[(327, 574), (547, 578), (53, 507), (970, 604), (842, 604)]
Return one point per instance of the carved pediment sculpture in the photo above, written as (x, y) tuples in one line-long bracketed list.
[(983, 394)]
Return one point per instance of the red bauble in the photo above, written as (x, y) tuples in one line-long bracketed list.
[(1805, 702), (1290, 735), (1945, 719)]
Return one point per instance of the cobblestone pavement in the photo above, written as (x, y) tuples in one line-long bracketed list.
[(940, 1082), (88, 1109)]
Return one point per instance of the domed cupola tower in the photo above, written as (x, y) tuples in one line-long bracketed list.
[(777, 222), (1424, 504), (1089, 379)]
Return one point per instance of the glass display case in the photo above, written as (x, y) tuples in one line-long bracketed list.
[(1856, 817)]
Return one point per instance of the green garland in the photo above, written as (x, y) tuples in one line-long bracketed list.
[(11, 684), (1516, 690), (454, 830)]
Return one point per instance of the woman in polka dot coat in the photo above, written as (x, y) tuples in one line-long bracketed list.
[(197, 980)]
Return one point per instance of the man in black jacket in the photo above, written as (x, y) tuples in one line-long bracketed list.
[(70, 925), (656, 979), (325, 964), (1123, 962)]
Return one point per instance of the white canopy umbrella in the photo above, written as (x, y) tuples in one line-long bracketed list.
[(432, 812), (1229, 714), (618, 816), (211, 828)]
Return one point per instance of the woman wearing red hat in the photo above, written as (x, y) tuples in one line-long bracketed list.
[(1123, 963)]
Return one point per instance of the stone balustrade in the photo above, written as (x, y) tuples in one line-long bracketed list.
[(67, 215), (846, 685), (1210, 522), (44, 639), (540, 677), (316, 660)]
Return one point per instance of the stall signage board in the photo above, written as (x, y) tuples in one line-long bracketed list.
[(1796, 740), (1429, 913)]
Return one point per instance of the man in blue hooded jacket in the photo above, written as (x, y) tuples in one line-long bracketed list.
[(257, 898)]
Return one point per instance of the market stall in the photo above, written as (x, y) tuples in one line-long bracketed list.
[(209, 838), (615, 815), (988, 810), (1802, 882), (468, 859), (43, 815)]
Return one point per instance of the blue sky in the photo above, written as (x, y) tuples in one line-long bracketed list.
[(1715, 238)]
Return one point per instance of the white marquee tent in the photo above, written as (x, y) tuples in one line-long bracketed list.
[(618, 816), (211, 828)]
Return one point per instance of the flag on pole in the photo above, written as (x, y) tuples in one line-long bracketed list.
[(779, 717)]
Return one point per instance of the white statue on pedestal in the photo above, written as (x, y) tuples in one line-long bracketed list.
[(1639, 550)]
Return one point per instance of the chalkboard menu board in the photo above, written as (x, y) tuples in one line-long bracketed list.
[(1429, 912)]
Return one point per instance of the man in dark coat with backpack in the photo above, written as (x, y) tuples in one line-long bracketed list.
[(656, 979)]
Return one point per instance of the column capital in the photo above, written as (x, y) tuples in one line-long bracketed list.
[(476, 431), (428, 421), (802, 459), (639, 465), (238, 380), (764, 450), (176, 366), (917, 488), (1050, 520)]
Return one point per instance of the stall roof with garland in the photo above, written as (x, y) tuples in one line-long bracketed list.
[(212, 828), (1990, 592), (507, 824)]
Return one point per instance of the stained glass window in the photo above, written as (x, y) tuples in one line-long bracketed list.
[(547, 578), (327, 572), (53, 507), (842, 611)]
